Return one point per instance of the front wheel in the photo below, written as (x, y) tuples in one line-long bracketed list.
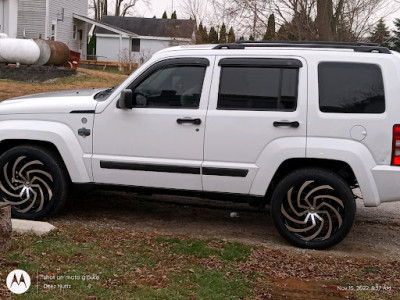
[(313, 208), (33, 181)]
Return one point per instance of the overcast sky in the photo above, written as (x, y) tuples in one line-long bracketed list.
[(159, 6)]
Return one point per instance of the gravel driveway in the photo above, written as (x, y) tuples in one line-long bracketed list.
[(376, 231)]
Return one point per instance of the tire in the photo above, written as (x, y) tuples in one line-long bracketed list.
[(33, 181), (313, 208)]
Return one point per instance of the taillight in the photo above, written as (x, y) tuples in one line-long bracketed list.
[(396, 146)]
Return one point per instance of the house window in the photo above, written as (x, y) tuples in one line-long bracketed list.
[(74, 31), (135, 45), (53, 35)]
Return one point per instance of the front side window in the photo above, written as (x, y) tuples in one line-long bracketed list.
[(350, 88), (176, 86), (258, 88)]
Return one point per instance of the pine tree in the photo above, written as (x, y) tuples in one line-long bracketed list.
[(199, 34), (271, 32), (222, 34), (231, 36), (396, 37), (241, 38), (204, 35), (251, 38), (213, 36), (173, 16), (91, 47), (164, 16), (381, 34)]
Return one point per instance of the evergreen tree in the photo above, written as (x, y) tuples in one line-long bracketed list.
[(204, 35), (396, 37), (251, 38), (231, 36), (213, 36), (154, 17), (381, 34), (199, 34), (173, 16), (241, 38), (222, 34), (91, 47), (271, 32), (164, 16)]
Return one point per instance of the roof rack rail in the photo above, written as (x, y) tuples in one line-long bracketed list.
[(357, 47)]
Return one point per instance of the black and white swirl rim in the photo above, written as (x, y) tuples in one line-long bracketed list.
[(26, 185), (313, 212)]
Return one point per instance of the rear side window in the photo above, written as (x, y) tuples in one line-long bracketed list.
[(258, 88), (350, 88)]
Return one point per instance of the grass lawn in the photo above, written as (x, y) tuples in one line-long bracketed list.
[(86, 79), (84, 262)]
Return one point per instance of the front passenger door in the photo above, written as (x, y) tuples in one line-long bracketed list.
[(159, 143)]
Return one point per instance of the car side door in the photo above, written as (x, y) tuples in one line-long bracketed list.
[(256, 120), (159, 142)]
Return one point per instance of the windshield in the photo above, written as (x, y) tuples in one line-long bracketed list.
[(103, 95)]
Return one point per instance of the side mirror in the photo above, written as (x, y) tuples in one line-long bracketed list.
[(125, 100)]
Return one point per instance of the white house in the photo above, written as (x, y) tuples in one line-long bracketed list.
[(144, 37), (46, 19)]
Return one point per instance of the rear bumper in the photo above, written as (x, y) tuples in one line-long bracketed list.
[(387, 180)]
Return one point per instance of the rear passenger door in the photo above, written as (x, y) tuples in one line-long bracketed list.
[(253, 103)]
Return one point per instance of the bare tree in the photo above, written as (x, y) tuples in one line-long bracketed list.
[(123, 7), (119, 7), (99, 7), (195, 9), (340, 20), (249, 17)]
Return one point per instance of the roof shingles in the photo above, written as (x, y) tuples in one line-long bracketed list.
[(151, 27)]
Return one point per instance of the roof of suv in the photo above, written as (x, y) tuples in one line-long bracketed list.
[(330, 46)]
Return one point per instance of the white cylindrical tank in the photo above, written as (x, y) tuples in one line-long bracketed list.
[(21, 51), (45, 52)]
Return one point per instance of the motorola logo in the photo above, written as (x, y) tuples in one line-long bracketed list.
[(18, 281)]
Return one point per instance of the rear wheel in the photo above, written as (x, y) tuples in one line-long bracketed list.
[(313, 208), (33, 181)]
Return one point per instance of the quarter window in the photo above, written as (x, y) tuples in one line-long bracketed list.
[(175, 86), (350, 88), (258, 88)]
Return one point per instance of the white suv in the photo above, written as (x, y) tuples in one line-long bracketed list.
[(295, 126)]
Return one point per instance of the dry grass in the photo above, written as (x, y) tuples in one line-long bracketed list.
[(85, 79)]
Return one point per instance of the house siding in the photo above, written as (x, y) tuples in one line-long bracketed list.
[(31, 19), (107, 48), (64, 28)]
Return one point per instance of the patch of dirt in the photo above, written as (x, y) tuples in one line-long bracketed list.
[(375, 233), (299, 289)]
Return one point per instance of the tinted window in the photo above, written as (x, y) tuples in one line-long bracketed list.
[(258, 88), (171, 87), (350, 88)]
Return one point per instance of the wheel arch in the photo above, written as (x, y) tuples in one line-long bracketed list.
[(6, 145), (54, 136), (341, 168)]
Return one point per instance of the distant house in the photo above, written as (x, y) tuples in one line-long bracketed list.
[(144, 37), (46, 19)]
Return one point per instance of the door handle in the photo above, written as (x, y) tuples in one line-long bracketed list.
[(189, 121), (294, 124)]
